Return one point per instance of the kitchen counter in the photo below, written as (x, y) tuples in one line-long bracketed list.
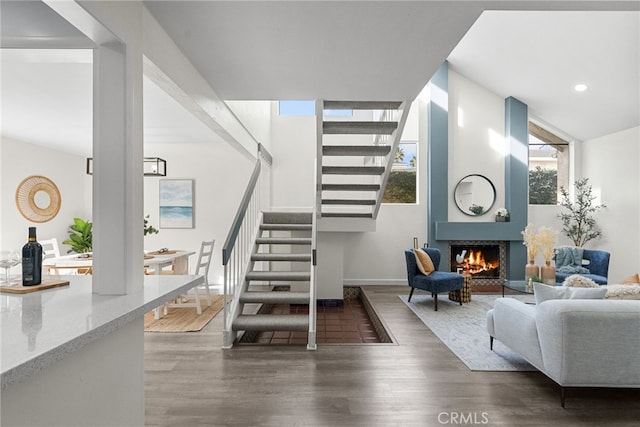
[(43, 327)]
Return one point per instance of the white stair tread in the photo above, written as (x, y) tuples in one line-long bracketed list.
[(271, 322), (281, 257), (275, 297), (279, 275), (283, 241), (286, 227)]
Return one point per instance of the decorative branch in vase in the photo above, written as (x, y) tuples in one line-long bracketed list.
[(547, 239), (530, 240)]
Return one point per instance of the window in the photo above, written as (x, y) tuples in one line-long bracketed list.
[(306, 108), (548, 166), (401, 186), (297, 108)]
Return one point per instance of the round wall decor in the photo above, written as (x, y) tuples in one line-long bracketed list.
[(38, 199)]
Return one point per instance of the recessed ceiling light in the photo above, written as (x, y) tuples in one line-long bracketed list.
[(580, 87)]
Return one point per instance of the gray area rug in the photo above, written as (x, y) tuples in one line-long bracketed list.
[(464, 330)]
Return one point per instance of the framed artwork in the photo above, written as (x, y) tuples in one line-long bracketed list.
[(176, 203)]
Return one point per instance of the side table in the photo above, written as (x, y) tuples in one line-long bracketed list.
[(465, 292)]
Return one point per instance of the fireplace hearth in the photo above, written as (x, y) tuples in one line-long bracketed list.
[(485, 261)]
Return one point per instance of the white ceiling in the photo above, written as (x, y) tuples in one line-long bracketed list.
[(348, 50), (538, 57)]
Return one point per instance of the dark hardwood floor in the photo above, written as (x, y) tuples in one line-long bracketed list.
[(417, 381)]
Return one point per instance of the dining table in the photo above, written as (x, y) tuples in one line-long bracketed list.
[(154, 261)]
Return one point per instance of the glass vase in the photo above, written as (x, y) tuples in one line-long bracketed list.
[(548, 274), (531, 270)]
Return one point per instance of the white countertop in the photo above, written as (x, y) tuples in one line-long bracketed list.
[(42, 327)]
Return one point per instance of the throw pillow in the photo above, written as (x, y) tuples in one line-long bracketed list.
[(544, 292), (628, 291), (632, 280), (425, 265), (578, 281)]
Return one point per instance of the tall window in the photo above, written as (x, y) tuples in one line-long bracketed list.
[(548, 166), (401, 186)]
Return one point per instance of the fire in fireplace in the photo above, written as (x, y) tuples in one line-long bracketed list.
[(477, 260)]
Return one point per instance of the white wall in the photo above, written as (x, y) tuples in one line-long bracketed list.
[(20, 160), (220, 175), (378, 257), (476, 140), (256, 117), (611, 164), (293, 148)]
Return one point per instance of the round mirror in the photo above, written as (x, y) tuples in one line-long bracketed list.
[(38, 199), (42, 199), (475, 195)]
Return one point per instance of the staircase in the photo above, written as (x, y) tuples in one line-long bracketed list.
[(355, 155), (281, 257)]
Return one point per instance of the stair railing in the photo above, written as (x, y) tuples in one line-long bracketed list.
[(313, 297), (317, 206), (396, 136), (238, 246)]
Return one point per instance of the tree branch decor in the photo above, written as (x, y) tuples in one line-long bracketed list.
[(578, 222)]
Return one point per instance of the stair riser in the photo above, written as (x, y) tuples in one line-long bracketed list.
[(359, 128), (275, 241), (286, 218), (280, 258), (355, 170), (362, 105), (270, 322), (351, 151)]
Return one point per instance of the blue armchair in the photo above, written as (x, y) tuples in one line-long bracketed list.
[(598, 266), (437, 281)]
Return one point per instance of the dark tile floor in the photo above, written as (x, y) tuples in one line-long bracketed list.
[(347, 323)]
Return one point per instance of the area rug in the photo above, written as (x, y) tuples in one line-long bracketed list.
[(185, 319), (464, 330)]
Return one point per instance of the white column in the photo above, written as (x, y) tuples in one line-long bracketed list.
[(117, 176), (116, 30)]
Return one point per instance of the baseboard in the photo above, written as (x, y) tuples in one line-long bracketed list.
[(374, 282)]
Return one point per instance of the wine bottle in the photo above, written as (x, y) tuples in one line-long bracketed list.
[(31, 260)]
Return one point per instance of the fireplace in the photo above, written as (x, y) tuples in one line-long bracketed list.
[(484, 260)]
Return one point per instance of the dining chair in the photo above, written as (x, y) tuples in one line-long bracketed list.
[(202, 268), (50, 249)]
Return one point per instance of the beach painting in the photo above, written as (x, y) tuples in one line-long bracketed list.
[(176, 203)]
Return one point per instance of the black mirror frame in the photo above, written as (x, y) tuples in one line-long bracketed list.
[(493, 188)]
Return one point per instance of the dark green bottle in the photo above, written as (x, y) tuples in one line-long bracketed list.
[(32, 260)]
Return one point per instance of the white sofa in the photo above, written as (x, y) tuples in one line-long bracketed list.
[(575, 342)]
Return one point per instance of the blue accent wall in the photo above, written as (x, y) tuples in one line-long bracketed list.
[(441, 231), (516, 179), (438, 155)]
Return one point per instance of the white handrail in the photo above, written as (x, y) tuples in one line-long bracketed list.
[(396, 136), (311, 340), (238, 247)]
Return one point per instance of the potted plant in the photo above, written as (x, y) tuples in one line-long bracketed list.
[(148, 228), (502, 215), (80, 236), (578, 222), (476, 209)]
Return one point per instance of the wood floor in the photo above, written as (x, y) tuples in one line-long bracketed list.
[(417, 381)]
